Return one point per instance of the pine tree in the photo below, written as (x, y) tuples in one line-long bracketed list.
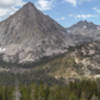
[(34, 92), (73, 97), (4, 93), (94, 97), (25, 93), (83, 97)]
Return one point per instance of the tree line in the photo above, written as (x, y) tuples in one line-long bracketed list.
[(79, 90)]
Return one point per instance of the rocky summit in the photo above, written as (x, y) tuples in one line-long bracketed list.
[(29, 35), (85, 29)]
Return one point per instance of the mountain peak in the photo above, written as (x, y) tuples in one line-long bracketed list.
[(30, 30), (28, 11), (29, 4), (85, 23)]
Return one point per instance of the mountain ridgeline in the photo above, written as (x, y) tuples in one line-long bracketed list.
[(34, 47), (84, 31)]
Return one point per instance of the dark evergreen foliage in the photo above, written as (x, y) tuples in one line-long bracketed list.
[(80, 90)]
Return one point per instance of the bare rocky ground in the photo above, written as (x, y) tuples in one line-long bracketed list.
[(78, 63)]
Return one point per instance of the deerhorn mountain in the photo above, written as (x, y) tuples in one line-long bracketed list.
[(29, 35)]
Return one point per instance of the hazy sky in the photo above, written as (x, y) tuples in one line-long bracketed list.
[(66, 12)]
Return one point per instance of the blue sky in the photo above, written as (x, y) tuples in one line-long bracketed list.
[(65, 12)]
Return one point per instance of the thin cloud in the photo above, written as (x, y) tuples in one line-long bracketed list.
[(45, 5), (83, 16), (73, 2), (76, 2), (61, 19), (97, 10), (8, 7)]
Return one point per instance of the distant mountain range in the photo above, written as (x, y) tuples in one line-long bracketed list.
[(86, 30)]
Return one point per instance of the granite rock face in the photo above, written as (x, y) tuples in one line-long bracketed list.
[(84, 31), (29, 35)]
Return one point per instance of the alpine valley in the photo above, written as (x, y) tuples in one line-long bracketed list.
[(34, 47), (42, 60)]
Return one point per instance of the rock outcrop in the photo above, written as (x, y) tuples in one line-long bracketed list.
[(29, 35)]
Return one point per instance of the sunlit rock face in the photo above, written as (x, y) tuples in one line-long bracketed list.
[(29, 35)]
